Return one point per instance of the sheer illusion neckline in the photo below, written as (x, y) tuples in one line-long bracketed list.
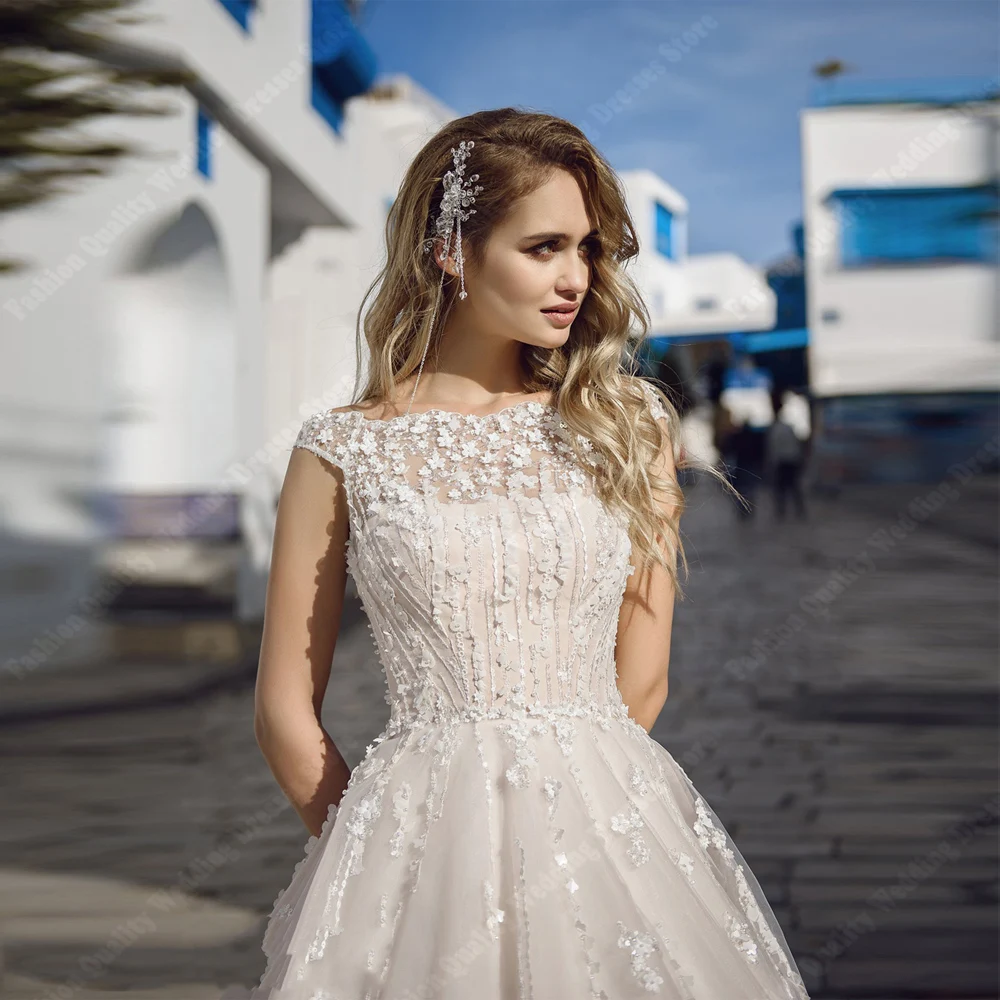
[(438, 413)]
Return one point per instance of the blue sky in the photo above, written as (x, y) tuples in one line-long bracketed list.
[(722, 123)]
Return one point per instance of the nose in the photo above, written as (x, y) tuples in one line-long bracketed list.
[(576, 276)]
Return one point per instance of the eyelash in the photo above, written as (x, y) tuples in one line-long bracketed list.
[(591, 247)]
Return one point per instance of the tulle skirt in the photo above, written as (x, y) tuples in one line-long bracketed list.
[(554, 859)]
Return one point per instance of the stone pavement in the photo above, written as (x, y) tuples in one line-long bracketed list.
[(833, 695)]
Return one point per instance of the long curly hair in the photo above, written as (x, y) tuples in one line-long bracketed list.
[(593, 376)]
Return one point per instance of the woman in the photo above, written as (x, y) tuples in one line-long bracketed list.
[(512, 528)]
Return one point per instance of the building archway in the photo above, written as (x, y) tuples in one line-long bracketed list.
[(172, 409), (173, 363)]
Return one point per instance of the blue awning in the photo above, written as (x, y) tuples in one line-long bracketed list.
[(751, 342), (770, 340), (666, 340)]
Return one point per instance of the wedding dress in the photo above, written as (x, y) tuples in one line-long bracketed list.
[(512, 832)]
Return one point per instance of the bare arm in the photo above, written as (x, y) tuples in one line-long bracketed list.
[(645, 624), (305, 597)]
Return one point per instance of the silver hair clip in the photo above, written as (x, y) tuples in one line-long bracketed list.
[(459, 194)]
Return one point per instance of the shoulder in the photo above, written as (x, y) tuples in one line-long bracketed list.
[(653, 396), (329, 433), (662, 411)]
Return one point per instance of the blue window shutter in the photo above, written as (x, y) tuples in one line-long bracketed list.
[(664, 231), (239, 10), (204, 142), (911, 225)]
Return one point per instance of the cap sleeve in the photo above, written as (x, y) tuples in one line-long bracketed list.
[(656, 407), (327, 435)]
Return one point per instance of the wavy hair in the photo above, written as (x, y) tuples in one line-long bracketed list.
[(593, 376)]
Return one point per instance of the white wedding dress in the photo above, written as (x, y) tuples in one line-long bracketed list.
[(511, 833)]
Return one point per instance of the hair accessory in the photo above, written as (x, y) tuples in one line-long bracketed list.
[(459, 194)]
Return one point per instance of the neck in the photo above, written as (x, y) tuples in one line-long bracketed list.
[(468, 369)]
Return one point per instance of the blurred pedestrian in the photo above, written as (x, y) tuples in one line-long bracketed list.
[(746, 400), (786, 454)]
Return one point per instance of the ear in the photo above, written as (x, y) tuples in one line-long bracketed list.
[(448, 264)]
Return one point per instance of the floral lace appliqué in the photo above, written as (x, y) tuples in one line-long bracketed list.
[(640, 946)]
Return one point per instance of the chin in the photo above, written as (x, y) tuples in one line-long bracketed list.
[(551, 340)]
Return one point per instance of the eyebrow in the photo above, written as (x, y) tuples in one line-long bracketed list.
[(557, 236)]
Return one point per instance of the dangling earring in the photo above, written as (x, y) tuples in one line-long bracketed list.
[(459, 193)]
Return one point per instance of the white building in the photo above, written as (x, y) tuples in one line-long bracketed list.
[(180, 318), (689, 295), (900, 190)]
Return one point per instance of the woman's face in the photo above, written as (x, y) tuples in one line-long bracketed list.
[(537, 258)]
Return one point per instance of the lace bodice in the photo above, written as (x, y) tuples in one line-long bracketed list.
[(491, 573)]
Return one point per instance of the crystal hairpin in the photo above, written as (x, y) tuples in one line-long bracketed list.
[(459, 194)]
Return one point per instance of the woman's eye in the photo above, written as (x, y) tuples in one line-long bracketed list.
[(588, 248)]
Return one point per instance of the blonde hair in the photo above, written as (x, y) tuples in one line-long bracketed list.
[(593, 375)]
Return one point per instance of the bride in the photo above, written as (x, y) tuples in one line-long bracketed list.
[(503, 492)]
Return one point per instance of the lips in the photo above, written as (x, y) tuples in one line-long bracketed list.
[(560, 309)]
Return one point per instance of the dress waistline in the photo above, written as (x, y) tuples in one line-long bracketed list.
[(603, 713)]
